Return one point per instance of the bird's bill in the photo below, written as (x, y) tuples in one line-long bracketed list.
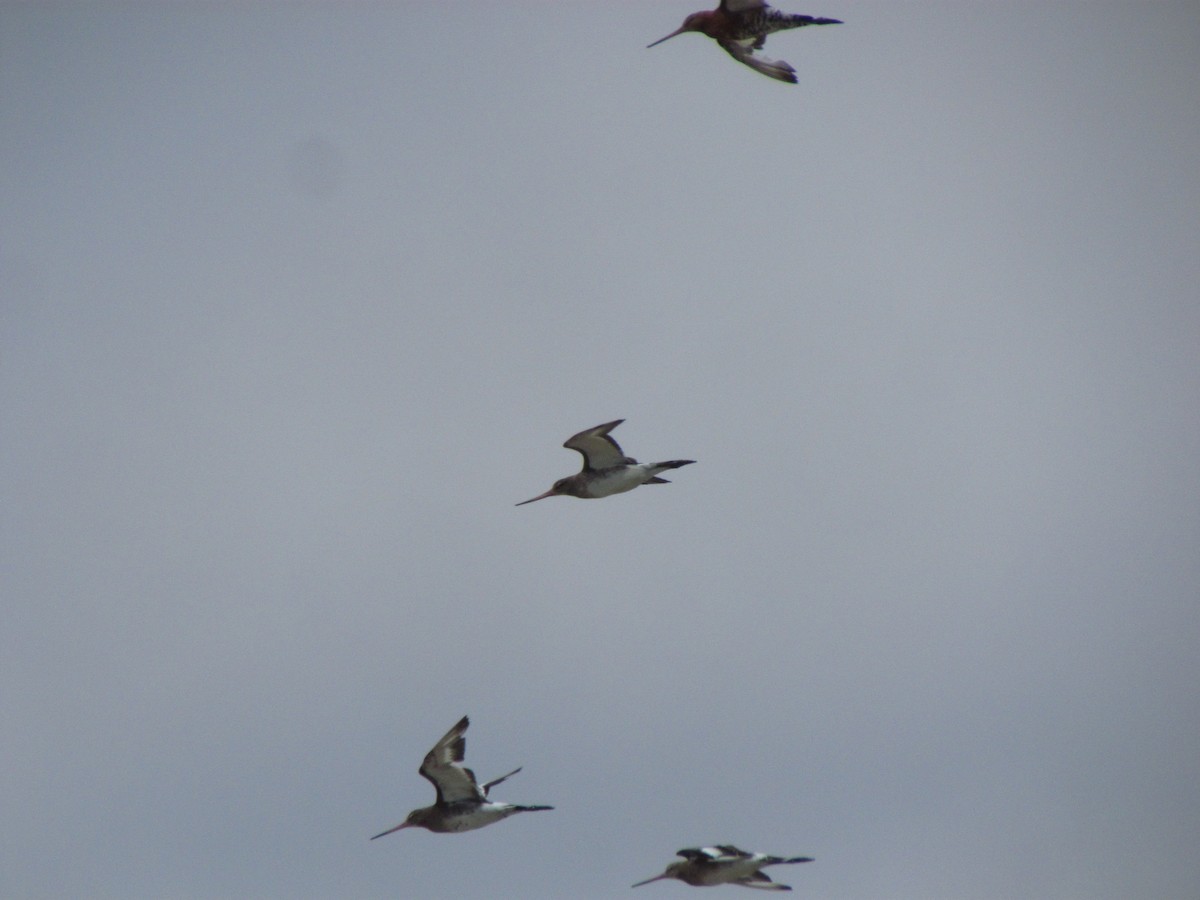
[(390, 830), (655, 44), (656, 877), (549, 493)]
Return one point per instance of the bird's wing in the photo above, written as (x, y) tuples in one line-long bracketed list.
[(737, 6), (495, 781), (452, 781), (730, 850), (708, 854), (599, 451), (762, 881), (772, 68)]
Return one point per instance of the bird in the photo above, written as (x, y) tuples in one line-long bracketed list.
[(462, 805), (725, 864), (606, 468), (741, 28)]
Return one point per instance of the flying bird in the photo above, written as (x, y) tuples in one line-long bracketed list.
[(741, 28), (725, 864), (462, 805), (606, 468)]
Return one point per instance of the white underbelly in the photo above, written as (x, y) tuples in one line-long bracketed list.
[(617, 481), (479, 817)]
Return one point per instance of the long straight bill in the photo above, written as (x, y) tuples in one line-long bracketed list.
[(549, 493), (648, 880), (390, 830), (655, 44)]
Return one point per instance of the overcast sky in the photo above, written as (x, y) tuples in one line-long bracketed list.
[(297, 300)]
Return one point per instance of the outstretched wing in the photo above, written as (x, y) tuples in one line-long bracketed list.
[(743, 52), (730, 850), (598, 449), (495, 781), (762, 881), (442, 768), (712, 854)]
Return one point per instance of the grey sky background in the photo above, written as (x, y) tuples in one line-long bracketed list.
[(299, 300)]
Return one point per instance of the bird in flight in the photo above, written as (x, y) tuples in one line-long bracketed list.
[(606, 468), (741, 28), (462, 805), (725, 864)]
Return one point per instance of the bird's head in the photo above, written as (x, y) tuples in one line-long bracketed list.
[(416, 819), (698, 21), (559, 487), (672, 871)]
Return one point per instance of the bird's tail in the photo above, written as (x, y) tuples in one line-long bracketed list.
[(795, 20), (671, 464), (663, 466), (779, 860)]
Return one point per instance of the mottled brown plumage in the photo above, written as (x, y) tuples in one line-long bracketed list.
[(741, 28)]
